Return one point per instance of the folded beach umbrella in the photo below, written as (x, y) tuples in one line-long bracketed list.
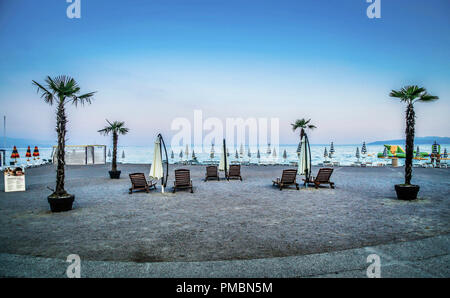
[(28, 154), (123, 153), (15, 154), (304, 167), (157, 170), (109, 152), (36, 152), (193, 154), (268, 149), (331, 149), (241, 150), (181, 154), (224, 160), (211, 154), (249, 154), (187, 151), (435, 148), (274, 155), (172, 155), (445, 155), (228, 152), (299, 148), (357, 153), (325, 153), (284, 154), (258, 155), (364, 149), (418, 152), (237, 154)]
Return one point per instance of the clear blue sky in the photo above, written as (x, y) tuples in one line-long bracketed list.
[(152, 61)]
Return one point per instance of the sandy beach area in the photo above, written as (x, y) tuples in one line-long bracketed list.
[(221, 220)]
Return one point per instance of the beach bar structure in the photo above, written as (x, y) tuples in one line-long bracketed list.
[(82, 154)]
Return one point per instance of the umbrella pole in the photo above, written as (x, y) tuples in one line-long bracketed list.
[(225, 157)]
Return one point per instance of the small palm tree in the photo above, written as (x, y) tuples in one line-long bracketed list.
[(411, 95), (61, 90), (116, 128), (302, 124)]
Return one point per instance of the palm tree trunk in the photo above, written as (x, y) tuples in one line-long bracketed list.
[(61, 121), (114, 159), (410, 123)]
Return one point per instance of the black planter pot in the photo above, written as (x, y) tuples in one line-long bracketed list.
[(407, 192), (114, 174), (60, 204)]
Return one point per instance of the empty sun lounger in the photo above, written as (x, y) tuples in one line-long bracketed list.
[(234, 172), (323, 177), (287, 178), (211, 173), (182, 180), (138, 182)]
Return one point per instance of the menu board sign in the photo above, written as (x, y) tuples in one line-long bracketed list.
[(14, 180)]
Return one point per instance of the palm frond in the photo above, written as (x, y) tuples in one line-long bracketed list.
[(45, 94)]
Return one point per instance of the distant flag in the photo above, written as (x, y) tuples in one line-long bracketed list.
[(28, 154), (364, 149), (36, 152), (284, 154)]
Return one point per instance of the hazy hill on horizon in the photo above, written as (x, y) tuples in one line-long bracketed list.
[(417, 141)]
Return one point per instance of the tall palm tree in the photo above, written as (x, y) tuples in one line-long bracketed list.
[(116, 128), (61, 90), (411, 95), (302, 124)]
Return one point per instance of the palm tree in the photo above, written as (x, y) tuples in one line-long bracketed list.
[(62, 90), (302, 124), (411, 95), (116, 128)]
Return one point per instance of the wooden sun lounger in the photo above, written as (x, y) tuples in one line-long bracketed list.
[(212, 172), (288, 178), (138, 182), (182, 180), (323, 177), (234, 172)]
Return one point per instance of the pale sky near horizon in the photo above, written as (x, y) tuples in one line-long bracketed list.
[(153, 61)]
